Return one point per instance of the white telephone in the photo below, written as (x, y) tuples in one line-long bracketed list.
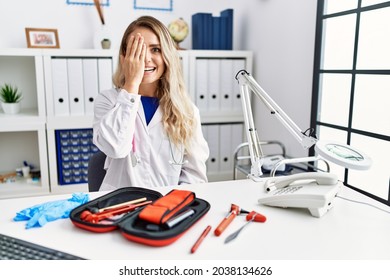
[(312, 190)]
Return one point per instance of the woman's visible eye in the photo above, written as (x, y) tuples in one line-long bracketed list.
[(156, 50)]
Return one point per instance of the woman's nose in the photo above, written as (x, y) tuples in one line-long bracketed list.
[(148, 56)]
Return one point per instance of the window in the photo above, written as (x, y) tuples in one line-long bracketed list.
[(351, 88)]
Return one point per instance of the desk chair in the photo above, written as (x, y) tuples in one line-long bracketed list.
[(96, 171)]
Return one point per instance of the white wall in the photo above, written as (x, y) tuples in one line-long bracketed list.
[(282, 35), (279, 32)]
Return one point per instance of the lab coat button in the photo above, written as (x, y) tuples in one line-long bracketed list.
[(132, 100)]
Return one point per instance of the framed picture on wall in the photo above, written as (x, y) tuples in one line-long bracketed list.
[(88, 2), (159, 5), (42, 38)]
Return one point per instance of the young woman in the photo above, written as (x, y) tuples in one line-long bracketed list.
[(147, 125)]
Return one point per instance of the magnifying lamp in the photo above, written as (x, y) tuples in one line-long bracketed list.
[(338, 153), (343, 155)]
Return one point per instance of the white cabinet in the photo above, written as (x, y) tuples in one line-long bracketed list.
[(23, 136), (59, 88)]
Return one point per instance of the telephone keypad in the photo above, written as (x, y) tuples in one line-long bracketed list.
[(291, 189)]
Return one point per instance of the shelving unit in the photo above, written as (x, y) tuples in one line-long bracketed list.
[(30, 135), (23, 136)]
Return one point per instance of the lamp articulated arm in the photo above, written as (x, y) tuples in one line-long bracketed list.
[(339, 153), (246, 83)]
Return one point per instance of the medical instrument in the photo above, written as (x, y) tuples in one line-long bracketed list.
[(172, 222), (174, 161), (235, 210), (88, 216), (178, 218), (200, 239), (99, 210), (252, 216), (136, 160)]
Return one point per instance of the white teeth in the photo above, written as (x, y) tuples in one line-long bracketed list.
[(150, 69)]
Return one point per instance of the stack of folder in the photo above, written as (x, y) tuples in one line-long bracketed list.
[(216, 89), (223, 140), (76, 83), (212, 33)]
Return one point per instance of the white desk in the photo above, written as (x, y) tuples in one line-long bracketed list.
[(348, 231)]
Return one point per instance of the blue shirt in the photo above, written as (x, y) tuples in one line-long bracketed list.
[(150, 105)]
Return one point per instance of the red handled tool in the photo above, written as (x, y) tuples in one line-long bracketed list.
[(256, 217), (116, 206), (251, 217), (200, 239), (235, 210), (88, 216)]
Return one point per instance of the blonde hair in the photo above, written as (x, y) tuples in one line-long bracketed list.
[(178, 112)]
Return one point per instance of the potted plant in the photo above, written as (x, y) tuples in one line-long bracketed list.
[(10, 98)]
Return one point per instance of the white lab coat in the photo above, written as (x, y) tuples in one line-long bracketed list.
[(119, 116)]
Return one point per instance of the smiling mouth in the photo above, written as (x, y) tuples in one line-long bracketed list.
[(150, 69)]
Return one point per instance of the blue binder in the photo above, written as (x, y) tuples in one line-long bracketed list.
[(202, 31), (216, 37), (212, 33), (228, 14)]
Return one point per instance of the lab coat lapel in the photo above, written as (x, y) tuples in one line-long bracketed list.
[(157, 117), (141, 115)]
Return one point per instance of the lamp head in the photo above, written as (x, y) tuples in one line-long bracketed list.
[(343, 155)]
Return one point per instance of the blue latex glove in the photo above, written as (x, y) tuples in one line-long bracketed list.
[(39, 215)]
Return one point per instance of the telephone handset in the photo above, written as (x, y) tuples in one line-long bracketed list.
[(312, 190), (283, 181)]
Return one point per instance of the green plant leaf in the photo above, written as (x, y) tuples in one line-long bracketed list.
[(10, 94)]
